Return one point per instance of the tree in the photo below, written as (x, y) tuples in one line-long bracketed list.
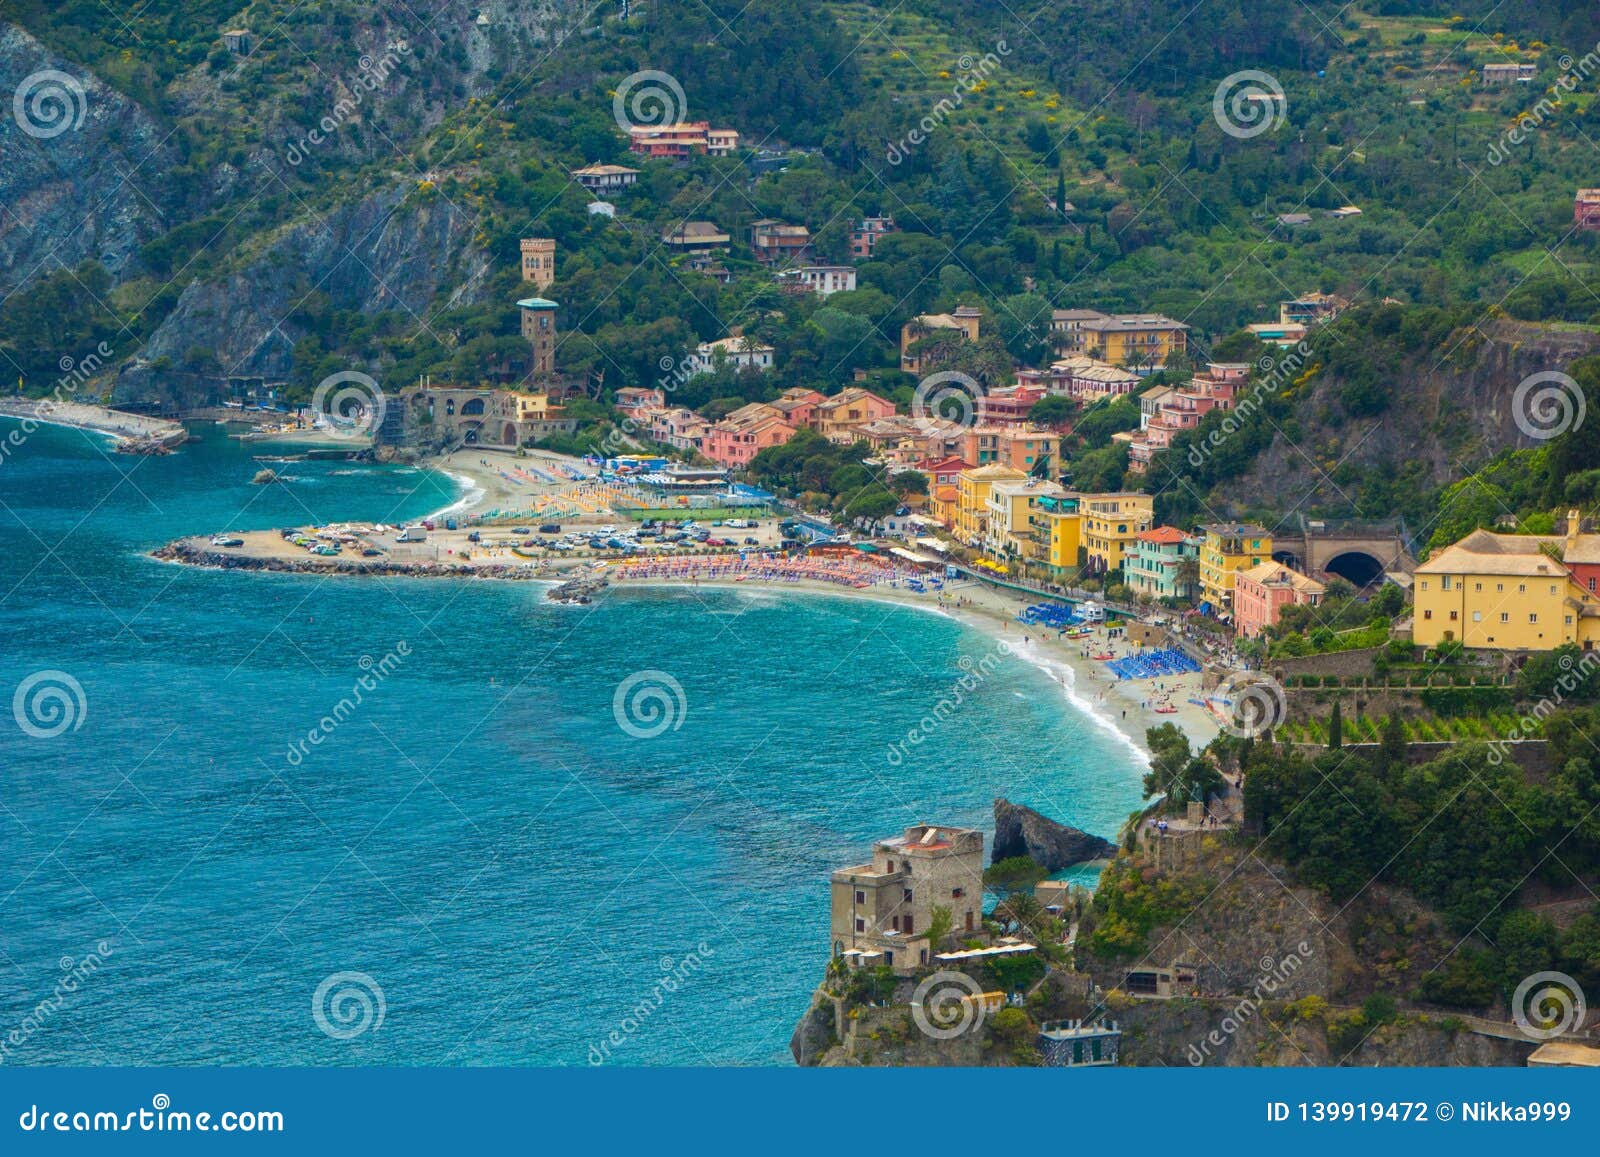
[(939, 925), (1052, 410), (1336, 727), (1394, 741)]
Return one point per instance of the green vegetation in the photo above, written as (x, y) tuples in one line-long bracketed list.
[(1464, 833)]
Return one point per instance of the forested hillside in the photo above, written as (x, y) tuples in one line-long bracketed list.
[(207, 223)]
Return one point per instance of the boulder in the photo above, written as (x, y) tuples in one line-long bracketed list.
[(1021, 831)]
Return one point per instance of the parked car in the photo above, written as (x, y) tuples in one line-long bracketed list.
[(550, 528), (752, 542)]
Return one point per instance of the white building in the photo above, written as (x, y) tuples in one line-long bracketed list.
[(739, 352), (822, 280)]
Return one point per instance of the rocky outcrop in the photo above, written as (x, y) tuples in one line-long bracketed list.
[(82, 168), (395, 249), (1021, 831)]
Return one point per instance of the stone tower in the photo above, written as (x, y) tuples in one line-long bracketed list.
[(539, 261), (539, 327)]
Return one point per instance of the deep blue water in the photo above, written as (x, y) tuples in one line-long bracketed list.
[(479, 836)]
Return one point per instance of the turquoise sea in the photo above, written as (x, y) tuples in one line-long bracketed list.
[(476, 864)]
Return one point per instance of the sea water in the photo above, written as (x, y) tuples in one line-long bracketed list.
[(253, 818)]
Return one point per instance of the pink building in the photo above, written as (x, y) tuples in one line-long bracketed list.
[(678, 427), (637, 398), (1261, 593), (1008, 406), (1184, 406), (743, 434), (798, 405)]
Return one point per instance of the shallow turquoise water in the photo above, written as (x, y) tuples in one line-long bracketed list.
[(478, 836)]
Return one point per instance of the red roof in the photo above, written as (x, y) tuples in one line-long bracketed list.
[(944, 466), (1163, 535)]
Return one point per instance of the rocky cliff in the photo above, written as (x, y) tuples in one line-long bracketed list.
[(395, 249), (1449, 409), (82, 167)]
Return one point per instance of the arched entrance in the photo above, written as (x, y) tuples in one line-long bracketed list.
[(1355, 566), (509, 434)]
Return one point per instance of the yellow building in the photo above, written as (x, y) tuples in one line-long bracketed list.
[(1144, 340), (1057, 534), (1228, 549), (1008, 526), (972, 499), (1512, 592), (1111, 523)]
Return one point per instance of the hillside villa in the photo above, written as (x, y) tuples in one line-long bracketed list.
[(1140, 341), (680, 141), (964, 321), (742, 353)]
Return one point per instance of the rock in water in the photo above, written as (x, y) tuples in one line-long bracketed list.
[(1021, 831), (263, 477)]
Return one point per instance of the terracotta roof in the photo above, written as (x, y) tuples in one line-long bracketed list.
[(1164, 535)]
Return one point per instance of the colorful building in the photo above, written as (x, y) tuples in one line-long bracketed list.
[(1227, 549), (680, 141), (1141, 341), (798, 405), (1156, 565), (839, 418), (1008, 520), (1058, 534), (865, 235), (1510, 592), (1111, 525), (1025, 448), (972, 499), (1183, 408), (744, 433), (1261, 593)]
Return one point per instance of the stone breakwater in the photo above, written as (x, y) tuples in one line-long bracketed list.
[(194, 554)]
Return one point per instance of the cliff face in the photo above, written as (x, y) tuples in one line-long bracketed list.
[(392, 250), (1449, 409), (84, 192)]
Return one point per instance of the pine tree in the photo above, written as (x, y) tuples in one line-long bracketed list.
[(1336, 728)]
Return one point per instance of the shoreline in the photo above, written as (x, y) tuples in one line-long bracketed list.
[(121, 428), (1123, 708), (1111, 704)]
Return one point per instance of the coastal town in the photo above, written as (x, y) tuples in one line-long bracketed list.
[(697, 462)]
